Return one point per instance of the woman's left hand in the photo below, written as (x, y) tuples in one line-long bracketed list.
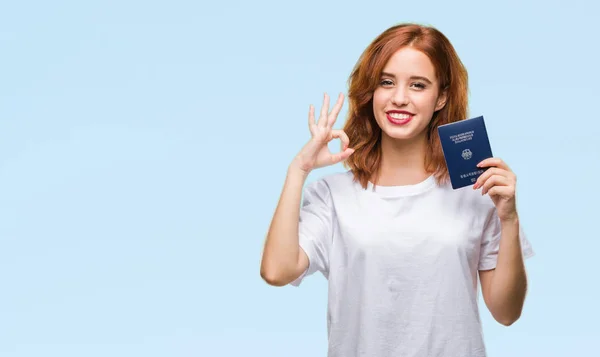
[(500, 183)]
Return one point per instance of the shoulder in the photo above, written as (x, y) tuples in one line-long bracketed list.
[(332, 181), (468, 198), (331, 184)]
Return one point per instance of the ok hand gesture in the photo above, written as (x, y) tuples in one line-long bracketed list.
[(315, 153)]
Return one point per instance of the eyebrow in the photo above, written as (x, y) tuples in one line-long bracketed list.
[(425, 79)]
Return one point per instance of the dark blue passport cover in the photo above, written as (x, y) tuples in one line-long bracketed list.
[(465, 144)]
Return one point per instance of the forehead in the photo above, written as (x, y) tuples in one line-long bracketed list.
[(407, 62)]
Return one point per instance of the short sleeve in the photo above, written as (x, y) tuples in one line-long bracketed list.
[(315, 228), (490, 242)]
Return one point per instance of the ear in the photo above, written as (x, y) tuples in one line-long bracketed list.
[(441, 101)]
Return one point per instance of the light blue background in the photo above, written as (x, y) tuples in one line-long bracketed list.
[(144, 144)]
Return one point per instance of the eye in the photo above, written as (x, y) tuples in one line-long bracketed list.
[(418, 85), (386, 82)]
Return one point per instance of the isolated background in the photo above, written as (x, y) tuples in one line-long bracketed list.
[(143, 147)]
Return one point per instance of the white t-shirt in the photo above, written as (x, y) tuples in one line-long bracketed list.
[(401, 264)]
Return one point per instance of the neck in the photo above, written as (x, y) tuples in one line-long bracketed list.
[(402, 161)]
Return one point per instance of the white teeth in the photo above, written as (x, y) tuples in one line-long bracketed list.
[(399, 116)]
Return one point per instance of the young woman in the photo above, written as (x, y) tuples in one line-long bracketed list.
[(402, 250)]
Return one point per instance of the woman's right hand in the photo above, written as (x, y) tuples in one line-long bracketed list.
[(315, 153)]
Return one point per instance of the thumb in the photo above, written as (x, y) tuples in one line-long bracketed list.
[(339, 157)]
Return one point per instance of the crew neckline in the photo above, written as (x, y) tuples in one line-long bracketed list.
[(403, 190)]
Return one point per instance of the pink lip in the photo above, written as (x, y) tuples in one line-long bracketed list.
[(399, 121)]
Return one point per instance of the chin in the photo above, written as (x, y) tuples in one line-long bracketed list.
[(400, 134), (408, 132)]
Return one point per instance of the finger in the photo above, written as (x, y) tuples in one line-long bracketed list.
[(342, 136), (324, 110), (502, 191), (488, 173), (311, 119), (494, 161), (335, 111), (495, 180), (339, 157)]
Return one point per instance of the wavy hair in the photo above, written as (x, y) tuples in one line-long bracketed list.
[(361, 127)]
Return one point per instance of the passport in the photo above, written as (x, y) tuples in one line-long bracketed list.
[(465, 143)]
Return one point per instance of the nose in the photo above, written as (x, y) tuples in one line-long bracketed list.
[(400, 97)]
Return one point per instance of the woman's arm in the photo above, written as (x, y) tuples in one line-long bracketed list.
[(283, 260), (504, 288)]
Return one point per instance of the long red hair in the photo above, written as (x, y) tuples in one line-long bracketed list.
[(361, 127)]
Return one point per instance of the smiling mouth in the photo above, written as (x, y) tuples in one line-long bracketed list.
[(399, 118)]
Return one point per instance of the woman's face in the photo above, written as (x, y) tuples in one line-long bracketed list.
[(407, 95)]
